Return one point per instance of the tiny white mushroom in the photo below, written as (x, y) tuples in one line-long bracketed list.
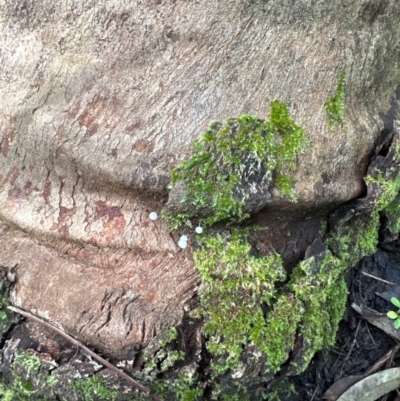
[(182, 244), (183, 238), (198, 230), (153, 216)]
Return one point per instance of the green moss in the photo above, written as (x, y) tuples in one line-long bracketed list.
[(334, 105), (282, 324), (5, 314), (313, 304), (230, 391), (243, 300), (31, 363), (229, 152), (279, 389), (161, 354), (27, 379), (93, 388), (353, 241), (389, 201), (235, 285), (393, 215), (183, 389)]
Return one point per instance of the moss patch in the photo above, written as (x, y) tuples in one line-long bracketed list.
[(229, 155), (334, 105), (235, 286), (93, 389), (28, 379)]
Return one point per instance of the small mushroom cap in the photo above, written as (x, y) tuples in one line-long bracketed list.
[(153, 216), (198, 230), (183, 238), (182, 244)]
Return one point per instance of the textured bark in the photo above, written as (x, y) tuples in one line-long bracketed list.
[(101, 99)]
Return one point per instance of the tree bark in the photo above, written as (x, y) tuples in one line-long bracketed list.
[(101, 100)]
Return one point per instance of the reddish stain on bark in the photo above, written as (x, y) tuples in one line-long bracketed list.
[(74, 110), (113, 220), (12, 175), (92, 130), (93, 112), (144, 145), (15, 193), (66, 212), (7, 140), (64, 230), (60, 132), (63, 223), (46, 192), (133, 127)]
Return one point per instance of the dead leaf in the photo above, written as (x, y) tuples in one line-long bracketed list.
[(373, 386), (377, 319), (340, 386)]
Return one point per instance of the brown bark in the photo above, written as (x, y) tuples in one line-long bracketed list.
[(100, 100)]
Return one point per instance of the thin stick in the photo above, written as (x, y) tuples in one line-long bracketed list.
[(315, 392), (379, 279), (382, 360), (372, 338), (353, 343), (98, 358)]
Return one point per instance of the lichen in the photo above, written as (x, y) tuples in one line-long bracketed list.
[(334, 105), (228, 156)]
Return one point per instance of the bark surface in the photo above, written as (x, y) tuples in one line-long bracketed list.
[(102, 99)]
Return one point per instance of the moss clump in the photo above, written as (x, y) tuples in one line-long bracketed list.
[(235, 286), (93, 389), (334, 105), (184, 388), (393, 216), (161, 354), (231, 154), (312, 304), (322, 290), (27, 379), (283, 322)]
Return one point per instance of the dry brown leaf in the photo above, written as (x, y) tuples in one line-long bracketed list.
[(340, 386), (373, 386)]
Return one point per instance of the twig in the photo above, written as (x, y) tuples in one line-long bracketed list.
[(315, 392), (353, 343), (372, 338), (98, 358), (382, 360), (378, 278)]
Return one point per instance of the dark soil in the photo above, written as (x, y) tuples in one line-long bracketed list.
[(359, 344)]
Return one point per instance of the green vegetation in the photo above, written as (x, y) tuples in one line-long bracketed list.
[(334, 105), (183, 389), (235, 286), (395, 315), (93, 388), (279, 389), (161, 354), (392, 212), (5, 314), (29, 379), (227, 155)]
